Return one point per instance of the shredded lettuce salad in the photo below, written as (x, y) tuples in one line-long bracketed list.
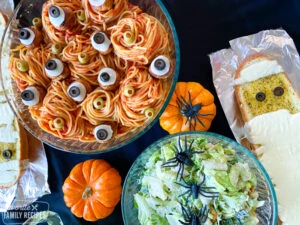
[(161, 198)]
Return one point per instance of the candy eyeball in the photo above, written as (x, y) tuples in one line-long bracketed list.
[(100, 42), (30, 96), (107, 76), (77, 91), (160, 67), (103, 132), (56, 16), (54, 67), (26, 36), (97, 3)]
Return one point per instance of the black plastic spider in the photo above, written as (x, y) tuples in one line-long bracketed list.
[(182, 157), (192, 218), (195, 189), (237, 218), (190, 111)]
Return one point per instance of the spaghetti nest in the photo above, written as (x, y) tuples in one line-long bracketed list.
[(139, 38), (65, 33), (99, 106), (57, 104), (108, 12), (89, 70), (148, 93), (35, 58)]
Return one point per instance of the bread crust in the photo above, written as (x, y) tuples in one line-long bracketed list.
[(21, 153)]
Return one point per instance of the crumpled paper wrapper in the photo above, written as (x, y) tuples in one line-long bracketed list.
[(33, 183), (274, 43)]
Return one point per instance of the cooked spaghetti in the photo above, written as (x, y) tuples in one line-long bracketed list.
[(147, 93), (64, 34), (89, 70), (79, 103), (139, 38), (35, 58), (108, 12), (99, 106)]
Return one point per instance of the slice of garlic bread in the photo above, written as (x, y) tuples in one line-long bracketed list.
[(262, 87), (13, 138)]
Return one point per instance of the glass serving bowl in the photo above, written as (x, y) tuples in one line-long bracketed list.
[(22, 17), (267, 214)]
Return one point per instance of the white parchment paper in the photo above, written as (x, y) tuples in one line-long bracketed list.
[(33, 183), (276, 44)]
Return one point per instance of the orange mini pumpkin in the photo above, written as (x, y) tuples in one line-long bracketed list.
[(92, 190), (190, 108)]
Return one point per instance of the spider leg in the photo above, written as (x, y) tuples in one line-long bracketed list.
[(179, 144), (239, 222), (170, 161), (186, 186), (203, 214), (180, 171), (202, 182), (197, 118), (211, 194), (185, 213), (184, 193), (184, 223)]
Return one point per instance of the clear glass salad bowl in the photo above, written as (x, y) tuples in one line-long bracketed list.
[(266, 212), (24, 13)]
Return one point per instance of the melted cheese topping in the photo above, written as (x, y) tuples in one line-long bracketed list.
[(258, 69), (278, 133)]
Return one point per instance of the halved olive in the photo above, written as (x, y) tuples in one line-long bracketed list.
[(278, 91), (260, 96), (7, 154)]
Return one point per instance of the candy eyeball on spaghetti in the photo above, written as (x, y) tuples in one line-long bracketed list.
[(97, 3), (29, 37), (57, 15), (55, 69), (108, 78), (101, 42), (161, 67), (77, 91), (32, 96), (103, 132)]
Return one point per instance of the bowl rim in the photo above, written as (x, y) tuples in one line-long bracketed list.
[(125, 142), (211, 134)]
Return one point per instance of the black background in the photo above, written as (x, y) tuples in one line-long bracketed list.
[(203, 27)]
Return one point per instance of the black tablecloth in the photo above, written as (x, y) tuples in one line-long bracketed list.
[(203, 26)]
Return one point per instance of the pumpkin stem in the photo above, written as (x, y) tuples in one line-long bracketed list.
[(87, 192)]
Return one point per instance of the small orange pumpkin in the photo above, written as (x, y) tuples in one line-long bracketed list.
[(92, 190), (190, 108)]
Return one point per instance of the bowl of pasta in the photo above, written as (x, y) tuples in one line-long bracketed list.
[(89, 76)]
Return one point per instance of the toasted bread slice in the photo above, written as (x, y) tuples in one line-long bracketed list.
[(13, 152), (256, 81), (13, 138)]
